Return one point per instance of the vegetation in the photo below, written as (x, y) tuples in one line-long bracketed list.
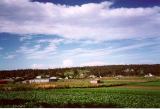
[(82, 83), (132, 92), (88, 97), (120, 86), (151, 83), (81, 72)]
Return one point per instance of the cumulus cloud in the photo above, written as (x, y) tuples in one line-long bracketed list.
[(96, 21), (93, 63), (67, 63), (38, 66)]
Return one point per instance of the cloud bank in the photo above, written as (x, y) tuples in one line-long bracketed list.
[(95, 21)]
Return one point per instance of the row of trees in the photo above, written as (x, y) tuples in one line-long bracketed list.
[(82, 72)]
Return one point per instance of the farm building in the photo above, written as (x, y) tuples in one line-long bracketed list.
[(38, 79), (119, 76), (5, 81), (92, 76), (95, 81), (66, 78), (51, 79), (17, 79), (149, 75)]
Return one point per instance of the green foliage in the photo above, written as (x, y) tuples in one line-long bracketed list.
[(141, 72), (81, 93), (83, 73), (83, 83), (69, 74), (76, 73), (88, 97), (151, 83)]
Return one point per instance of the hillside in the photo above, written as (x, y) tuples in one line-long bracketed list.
[(110, 70)]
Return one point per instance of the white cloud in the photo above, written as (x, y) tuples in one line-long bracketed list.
[(43, 66), (25, 37), (89, 21), (93, 63), (55, 41), (38, 51), (67, 63), (38, 66), (88, 53)]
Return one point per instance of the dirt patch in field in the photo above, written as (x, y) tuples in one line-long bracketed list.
[(44, 86), (140, 87), (13, 101), (75, 105), (121, 80)]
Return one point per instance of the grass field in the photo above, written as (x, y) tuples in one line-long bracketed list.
[(125, 92)]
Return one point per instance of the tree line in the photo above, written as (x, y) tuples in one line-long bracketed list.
[(81, 72)]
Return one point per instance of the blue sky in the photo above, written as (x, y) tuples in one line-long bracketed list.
[(117, 3), (68, 33)]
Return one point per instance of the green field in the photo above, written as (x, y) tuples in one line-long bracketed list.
[(124, 92), (151, 83)]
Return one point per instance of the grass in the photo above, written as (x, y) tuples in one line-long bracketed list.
[(88, 97), (149, 83), (80, 93), (73, 83)]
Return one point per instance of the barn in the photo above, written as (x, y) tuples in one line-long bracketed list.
[(3, 82)]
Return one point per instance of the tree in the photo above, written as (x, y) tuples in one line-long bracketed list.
[(83, 73), (69, 74)]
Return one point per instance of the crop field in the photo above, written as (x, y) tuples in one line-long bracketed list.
[(133, 92)]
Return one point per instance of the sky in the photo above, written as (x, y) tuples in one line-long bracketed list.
[(69, 33)]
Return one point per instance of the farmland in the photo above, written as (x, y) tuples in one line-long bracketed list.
[(111, 92)]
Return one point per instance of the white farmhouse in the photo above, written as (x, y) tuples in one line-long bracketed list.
[(95, 81), (149, 75), (38, 77)]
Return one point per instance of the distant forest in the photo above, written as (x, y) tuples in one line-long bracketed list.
[(109, 70)]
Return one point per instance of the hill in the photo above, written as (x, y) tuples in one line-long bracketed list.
[(108, 70)]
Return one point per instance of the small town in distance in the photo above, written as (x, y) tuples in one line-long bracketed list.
[(53, 75)]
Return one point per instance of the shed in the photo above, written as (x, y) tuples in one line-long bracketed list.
[(149, 75), (5, 81), (95, 81), (51, 79), (66, 78), (92, 76), (38, 77), (38, 80), (60, 78)]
